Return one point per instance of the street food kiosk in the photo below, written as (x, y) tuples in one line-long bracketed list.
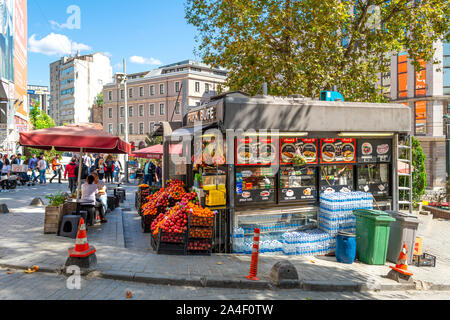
[(240, 154)]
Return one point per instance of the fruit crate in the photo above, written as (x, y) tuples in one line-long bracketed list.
[(166, 246), (425, 260), (195, 221), (201, 232), (194, 250), (146, 223)]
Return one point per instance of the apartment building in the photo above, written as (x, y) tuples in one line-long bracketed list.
[(162, 94), (427, 93), (39, 95), (75, 82)]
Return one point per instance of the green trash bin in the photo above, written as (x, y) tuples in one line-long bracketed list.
[(372, 236)]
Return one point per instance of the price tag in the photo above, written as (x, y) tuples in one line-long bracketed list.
[(366, 188)]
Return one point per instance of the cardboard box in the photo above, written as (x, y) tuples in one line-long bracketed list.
[(418, 247)]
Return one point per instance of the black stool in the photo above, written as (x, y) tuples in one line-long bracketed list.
[(69, 226), (112, 203), (121, 193), (91, 214), (82, 214)]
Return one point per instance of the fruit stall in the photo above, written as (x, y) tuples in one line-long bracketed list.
[(177, 223), (265, 161)]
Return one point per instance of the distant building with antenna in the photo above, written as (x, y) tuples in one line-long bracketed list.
[(75, 83)]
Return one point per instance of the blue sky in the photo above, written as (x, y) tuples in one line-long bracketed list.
[(145, 32)]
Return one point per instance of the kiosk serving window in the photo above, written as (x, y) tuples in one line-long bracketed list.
[(374, 178), (255, 185), (338, 178)]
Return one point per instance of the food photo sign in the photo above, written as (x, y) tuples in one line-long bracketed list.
[(371, 151), (254, 151), (306, 147), (338, 151)]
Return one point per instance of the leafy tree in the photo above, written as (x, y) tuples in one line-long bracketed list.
[(306, 46), (153, 141), (99, 99)]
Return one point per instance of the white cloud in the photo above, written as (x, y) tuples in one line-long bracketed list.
[(55, 44), (108, 54), (142, 60)]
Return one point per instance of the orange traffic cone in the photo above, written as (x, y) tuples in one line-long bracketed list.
[(402, 262), (400, 272), (82, 248)]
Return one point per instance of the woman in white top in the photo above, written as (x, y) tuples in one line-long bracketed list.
[(89, 191)]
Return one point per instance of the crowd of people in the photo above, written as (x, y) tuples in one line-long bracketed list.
[(108, 168)]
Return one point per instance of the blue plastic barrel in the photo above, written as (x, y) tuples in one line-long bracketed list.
[(346, 248)]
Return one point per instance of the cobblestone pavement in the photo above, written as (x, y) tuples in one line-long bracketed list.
[(121, 246), (39, 286)]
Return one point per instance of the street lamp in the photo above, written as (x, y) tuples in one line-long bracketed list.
[(122, 78)]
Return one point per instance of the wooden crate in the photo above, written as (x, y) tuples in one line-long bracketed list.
[(69, 207), (53, 217)]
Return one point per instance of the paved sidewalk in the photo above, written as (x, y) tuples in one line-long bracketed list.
[(123, 253)]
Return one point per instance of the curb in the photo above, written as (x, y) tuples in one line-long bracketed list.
[(197, 281)]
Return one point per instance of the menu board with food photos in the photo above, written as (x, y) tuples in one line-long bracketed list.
[(371, 151), (256, 151), (306, 147), (337, 151)]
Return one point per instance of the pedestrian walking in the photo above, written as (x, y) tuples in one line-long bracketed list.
[(42, 167), (87, 160), (101, 168), (71, 173), (5, 174), (117, 170), (149, 172), (56, 167), (158, 174), (109, 169), (32, 165)]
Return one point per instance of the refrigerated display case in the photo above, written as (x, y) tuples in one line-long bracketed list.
[(297, 184), (374, 178), (255, 185), (336, 178)]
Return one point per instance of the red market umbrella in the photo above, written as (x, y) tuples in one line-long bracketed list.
[(157, 151), (75, 138)]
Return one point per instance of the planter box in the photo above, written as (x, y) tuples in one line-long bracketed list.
[(53, 217), (438, 213), (69, 207)]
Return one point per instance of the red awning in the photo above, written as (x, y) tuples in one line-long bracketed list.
[(157, 151), (72, 138)]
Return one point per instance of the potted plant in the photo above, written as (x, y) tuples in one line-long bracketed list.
[(54, 213)]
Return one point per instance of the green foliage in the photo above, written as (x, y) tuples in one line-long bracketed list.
[(99, 99), (304, 47), (419, 173), (56, 199), (153, 141)]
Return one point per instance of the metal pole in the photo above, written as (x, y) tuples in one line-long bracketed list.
[(395, 178), (80, 170), (126, 118)]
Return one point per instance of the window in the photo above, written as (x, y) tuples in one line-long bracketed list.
[(110, 95), (177, 108), (141, 91), (161, 109), (122, 112), (197, 87), (130, 93), (161, 89), (447, 68), (67, 81), (152, 127), (130, 111), (141, 128), (402, 75), (131, 129), (141, 111), (122, 94), (122, 128), (177, 87), (152, 109), (68, 91), (152, 90), (421, 117), (111, 128), (421, 80), (206, 87), (110, 113)]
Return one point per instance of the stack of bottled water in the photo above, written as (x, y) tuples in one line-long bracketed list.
[(336, 211), (268, 244), (238, 240), (308, 243)]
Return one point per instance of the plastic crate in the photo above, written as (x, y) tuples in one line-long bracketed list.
[(201, 232), (169, 248), (195, 221), (169, 237), (146, 223), (205, 251), (425, 260)]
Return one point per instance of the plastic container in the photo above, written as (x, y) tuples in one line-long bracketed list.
[(403, 230), (346, 248), (372, 236)]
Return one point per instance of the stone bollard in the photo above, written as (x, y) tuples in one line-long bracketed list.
[(284, 275), (4, 209), (37, 202)]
